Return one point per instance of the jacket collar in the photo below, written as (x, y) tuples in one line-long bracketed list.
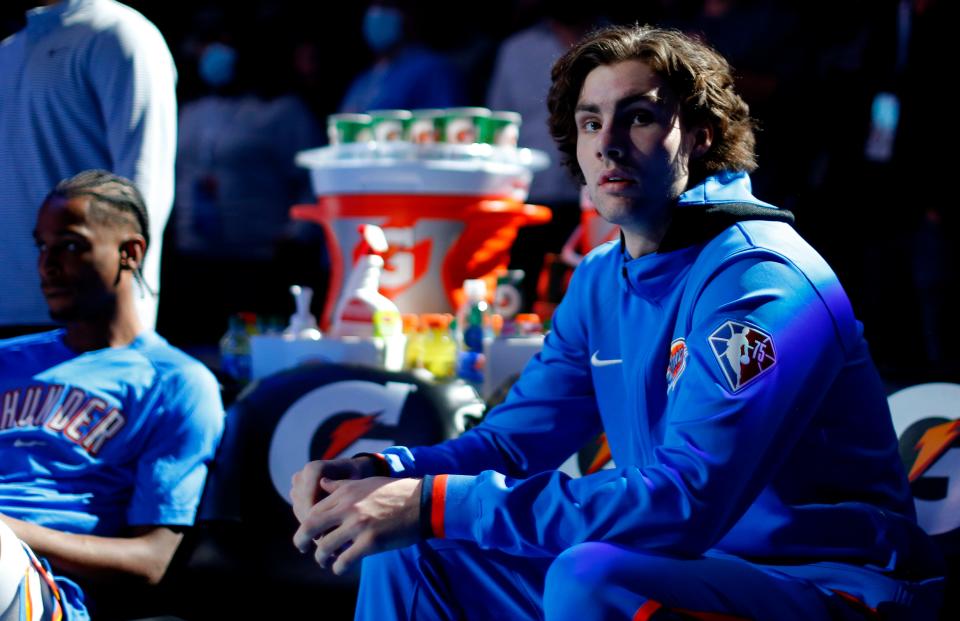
[(701, 213)]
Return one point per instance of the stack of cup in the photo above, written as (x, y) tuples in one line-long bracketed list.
[(470, 125)]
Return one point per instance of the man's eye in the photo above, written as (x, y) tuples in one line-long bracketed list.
[(40, 246), (590, 125), (71, 246)]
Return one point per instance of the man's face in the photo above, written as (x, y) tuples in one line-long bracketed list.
[(630, 146), (79, 260)]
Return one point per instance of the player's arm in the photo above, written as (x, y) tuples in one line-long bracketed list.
[(553, 399), (143, 556), (549, 414), (721, 445)]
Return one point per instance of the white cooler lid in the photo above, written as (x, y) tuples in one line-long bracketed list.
[(404, 168)]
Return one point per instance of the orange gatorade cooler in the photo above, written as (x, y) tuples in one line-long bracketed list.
[(449, 213)]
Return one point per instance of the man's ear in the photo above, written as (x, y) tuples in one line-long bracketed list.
[(702, 140), (132, 250)]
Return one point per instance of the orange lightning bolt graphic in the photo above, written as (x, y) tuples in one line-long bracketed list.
[(347, 433), (602, 457), (932, 445)]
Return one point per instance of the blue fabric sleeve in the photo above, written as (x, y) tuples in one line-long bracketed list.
[(549, 414), (172, 470), (720, 445)]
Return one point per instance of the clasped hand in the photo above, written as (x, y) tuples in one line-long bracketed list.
[(347, 517)]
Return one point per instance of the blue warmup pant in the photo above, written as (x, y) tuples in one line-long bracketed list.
[(454, 580)]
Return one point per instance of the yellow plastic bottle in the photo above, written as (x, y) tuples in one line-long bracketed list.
[(413, 330), (439, 348)]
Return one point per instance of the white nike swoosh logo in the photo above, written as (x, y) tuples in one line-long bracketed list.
[(25, 443), (595, 360)]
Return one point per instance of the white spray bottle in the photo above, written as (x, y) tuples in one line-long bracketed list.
[(354, 315)]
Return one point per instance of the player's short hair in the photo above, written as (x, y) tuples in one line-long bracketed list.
[(698, 76), (114, 199)]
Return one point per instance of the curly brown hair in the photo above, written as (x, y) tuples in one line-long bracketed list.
[(700, 78)]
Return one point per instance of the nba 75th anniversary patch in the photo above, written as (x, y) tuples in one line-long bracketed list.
[(744, 352)]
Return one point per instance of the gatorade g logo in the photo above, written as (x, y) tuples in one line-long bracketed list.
[(935, 472), (405, 261), (744, 353), (925, 419), (339, 419), (595, 455)]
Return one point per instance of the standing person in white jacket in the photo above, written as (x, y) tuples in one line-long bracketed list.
[(85, 84)]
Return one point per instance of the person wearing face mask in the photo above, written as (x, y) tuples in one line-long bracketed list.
[(85, 84), (236, 180), (405, 74)]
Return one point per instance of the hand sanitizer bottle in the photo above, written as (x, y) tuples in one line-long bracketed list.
[(303, 325)]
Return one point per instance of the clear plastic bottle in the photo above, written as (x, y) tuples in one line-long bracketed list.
[(235, 350), (473, 325)]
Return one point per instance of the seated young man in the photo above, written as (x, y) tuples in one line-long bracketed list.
[(105, 429), (757, 473)]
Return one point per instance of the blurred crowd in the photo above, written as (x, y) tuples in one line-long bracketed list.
[(843, 92)]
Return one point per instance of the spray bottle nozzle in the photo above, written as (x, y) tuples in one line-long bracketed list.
[(373, 241)]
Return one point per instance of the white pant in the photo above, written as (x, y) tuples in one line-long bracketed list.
[(13, 569)]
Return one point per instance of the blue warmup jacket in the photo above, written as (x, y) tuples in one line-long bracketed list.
[(742, 408)]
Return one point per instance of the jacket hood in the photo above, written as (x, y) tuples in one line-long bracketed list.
[(717, 203)]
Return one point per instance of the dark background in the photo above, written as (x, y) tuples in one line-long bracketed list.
[(808, 69)]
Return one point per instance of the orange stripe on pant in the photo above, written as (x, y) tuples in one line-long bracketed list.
[(856, 603), (646, 612)]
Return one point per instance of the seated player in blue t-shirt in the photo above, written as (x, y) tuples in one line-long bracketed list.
[(105, 429)]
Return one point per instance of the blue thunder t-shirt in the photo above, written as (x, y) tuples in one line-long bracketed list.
[(96, 442)]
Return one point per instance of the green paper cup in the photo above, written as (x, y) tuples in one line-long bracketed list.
[(423, 127), (389, 125), (501, 128), (462, 125), (349, 128)]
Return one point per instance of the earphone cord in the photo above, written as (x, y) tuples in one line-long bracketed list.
[(138, 276)]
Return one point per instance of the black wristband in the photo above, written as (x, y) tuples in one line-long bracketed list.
[(426, 503)]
